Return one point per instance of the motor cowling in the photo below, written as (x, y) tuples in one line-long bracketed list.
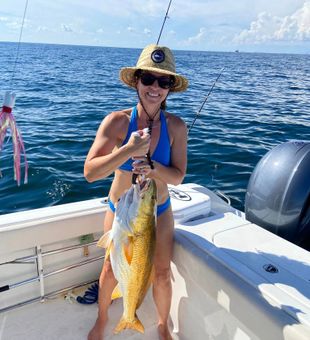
[(278, 193)]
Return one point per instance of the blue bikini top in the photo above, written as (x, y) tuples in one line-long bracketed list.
[(161, 153)]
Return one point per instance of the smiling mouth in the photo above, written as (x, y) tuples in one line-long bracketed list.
[(153, 95)]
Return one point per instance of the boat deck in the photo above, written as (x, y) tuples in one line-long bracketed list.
[(63, 319)]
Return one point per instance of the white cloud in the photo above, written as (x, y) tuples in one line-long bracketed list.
[(273, 28), (4, 19), (296, 27), (151, 8), (100, 30), (120, 8), (14, 23), (42, 29), (198, 37), (130, 29), (66, 28), (147, 31)]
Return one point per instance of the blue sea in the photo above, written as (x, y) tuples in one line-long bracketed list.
[(64, 92)]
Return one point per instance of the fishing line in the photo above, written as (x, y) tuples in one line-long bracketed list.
[(205, 100), (17, 52), (165, 18), (219, 193), (19, 43)]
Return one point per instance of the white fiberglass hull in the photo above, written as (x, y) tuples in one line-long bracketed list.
[(231, 278)]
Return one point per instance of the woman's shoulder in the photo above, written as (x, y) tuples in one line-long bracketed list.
[(175, 123), (120, 114), (117, 119)]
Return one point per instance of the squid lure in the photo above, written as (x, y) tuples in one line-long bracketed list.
[(7, 121)]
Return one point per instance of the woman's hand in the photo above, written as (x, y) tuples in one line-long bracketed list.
[(139, 143), (141, 166)]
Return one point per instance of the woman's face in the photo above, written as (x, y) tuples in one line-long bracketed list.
[(153, 87)]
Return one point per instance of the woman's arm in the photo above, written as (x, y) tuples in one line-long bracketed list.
[(102, 158)]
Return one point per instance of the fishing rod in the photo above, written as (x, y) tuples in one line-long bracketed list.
[(205, 100), (19, 43), (165, 18)]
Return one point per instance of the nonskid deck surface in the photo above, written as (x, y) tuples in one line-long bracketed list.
[(59, 319)]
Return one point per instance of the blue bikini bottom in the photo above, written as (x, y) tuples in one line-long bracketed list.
[(161, 208)]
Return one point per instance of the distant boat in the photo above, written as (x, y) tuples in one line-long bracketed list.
[(237, 51)]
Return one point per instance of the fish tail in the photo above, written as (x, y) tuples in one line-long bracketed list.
[(131, 324)]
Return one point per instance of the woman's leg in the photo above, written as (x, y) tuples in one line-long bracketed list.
[(162, 290), (107, 282)]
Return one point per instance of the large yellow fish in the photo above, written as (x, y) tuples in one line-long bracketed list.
[(131, 245)]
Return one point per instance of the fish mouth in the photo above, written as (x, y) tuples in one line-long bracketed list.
[(144, 185)]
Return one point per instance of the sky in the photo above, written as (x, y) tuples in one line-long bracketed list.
[(275, 26)]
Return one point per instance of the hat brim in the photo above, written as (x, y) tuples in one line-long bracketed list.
[(127, 76)]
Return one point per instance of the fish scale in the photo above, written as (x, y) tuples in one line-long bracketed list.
[(142, 255)]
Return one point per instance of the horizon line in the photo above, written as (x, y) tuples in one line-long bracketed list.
[(137, 48)]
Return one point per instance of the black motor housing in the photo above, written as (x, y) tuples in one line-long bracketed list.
[(278, 193)]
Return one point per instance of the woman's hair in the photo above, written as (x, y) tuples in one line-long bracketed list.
[(137, 74)]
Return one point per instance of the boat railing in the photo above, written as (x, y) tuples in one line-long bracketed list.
[(37, 260)]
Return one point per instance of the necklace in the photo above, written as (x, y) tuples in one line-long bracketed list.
[(150, 127), (150, 119)]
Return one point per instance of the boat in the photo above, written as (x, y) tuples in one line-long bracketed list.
[(232, 279)]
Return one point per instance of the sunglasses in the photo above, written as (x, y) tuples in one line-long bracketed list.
[(165, 82)]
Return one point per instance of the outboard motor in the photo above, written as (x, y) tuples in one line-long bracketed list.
[(278, 193)]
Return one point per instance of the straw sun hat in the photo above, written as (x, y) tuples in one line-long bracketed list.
[(154, 58)]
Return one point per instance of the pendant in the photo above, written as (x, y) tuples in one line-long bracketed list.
[(150, 125)]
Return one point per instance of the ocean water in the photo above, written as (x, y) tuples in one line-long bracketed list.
[(63, 93)]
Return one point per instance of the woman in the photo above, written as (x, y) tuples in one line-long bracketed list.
[(160, 154)]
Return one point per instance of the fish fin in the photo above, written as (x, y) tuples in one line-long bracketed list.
[(104, 240), (109, 250), (128, 249), (116, 293), (125, 324)]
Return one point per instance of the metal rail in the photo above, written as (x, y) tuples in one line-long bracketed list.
[(27, 259), (223, 196), (76, 265), (38, 261), (47, 296)]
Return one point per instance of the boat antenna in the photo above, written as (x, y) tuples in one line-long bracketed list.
[(205, 100), (165, 18)]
